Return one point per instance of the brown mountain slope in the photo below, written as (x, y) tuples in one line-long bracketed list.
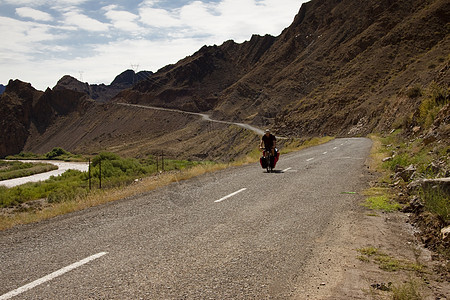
[(339, 61), (343, 67), (196, 82), (334, 68)]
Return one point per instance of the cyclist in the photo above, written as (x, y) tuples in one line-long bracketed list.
[(269, 141)]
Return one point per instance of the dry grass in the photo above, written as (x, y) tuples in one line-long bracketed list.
[(376, 153)]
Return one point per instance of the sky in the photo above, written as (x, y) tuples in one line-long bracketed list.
[(94, 41)]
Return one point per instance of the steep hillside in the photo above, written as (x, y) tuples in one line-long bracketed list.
[(337, 69), (343, 67), (2, 88), (197, 82)]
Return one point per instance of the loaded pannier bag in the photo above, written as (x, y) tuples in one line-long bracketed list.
[(263, 162)]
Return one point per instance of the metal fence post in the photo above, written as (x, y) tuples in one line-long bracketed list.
[(100, 172), (89, 168)]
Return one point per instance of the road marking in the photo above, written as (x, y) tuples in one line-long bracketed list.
[(228, 196), (285, 170), (310, 159), (325, 153), (51, 276), (335, 148)]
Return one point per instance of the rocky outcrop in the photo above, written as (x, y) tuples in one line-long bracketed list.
[(197, 82), (102, 92), (16, 105), (22, 107), (2, 88)]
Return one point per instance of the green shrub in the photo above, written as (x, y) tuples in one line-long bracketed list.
[(406, 291), (436, 97), (414, 92), (436, 201), (56, 152), (402, 159)]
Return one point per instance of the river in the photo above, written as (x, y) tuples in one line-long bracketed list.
[(63, 166)]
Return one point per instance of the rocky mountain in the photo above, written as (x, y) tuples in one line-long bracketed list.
[(342, 68), (2, 88), (102, 92), (339, 68), (27, 113)]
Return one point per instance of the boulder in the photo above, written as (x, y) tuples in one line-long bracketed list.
[(442, 183), (407, 173), (445, 234)]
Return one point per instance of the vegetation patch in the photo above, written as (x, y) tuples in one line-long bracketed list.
[(16, 169), (436, 97), (380, 199), (437, 202), (386, 262), (55, 154), (409, 290)]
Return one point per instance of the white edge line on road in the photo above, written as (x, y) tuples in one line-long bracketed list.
[(310, 159), (51, 276), (228, 196), (285, 170)]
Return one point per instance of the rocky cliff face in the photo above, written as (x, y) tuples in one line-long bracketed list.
[(2, 88), (24, 109), (15, 115)]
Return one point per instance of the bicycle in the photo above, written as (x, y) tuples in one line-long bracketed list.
[(268, 161)]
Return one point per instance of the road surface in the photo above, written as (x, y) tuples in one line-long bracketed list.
[(240, 233)]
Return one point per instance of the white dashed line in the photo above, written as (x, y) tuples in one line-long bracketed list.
[(335, 148), (285, 170), (310, 159), (51, 276), (325, 153), (230, 195)]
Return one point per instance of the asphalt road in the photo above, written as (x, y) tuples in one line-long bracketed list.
[(240, 233)]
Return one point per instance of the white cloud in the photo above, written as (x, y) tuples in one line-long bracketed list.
[(123, 20), (84, 22), (159, 18), (151, 34), (23, 37), (27, 12)]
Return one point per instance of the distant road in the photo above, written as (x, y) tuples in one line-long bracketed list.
[(62, 167), (240, 233), (203, 116)]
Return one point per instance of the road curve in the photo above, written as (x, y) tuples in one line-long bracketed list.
[(179, 242), (205, 117)]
